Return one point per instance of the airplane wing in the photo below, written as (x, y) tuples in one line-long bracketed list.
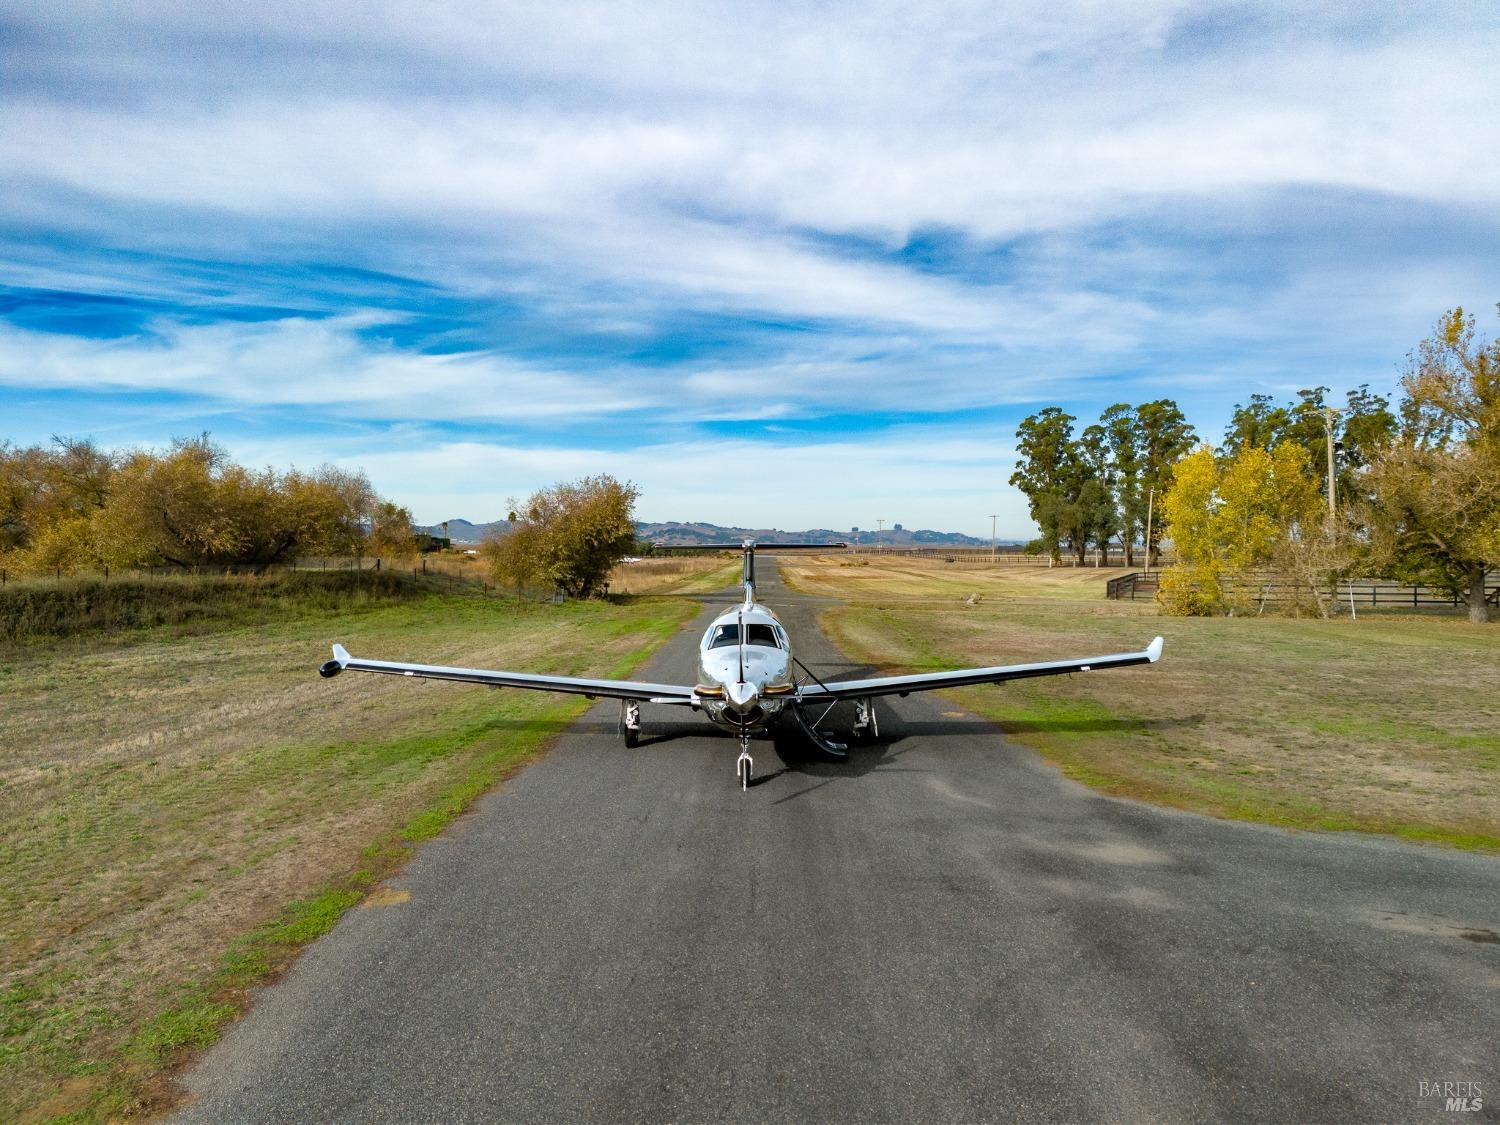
[(963, 677), (613, 689)]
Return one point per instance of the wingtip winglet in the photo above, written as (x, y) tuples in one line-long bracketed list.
[(333, 667), (1153, 650)]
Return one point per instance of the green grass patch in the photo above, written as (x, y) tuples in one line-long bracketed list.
[(1387, 725), (157, 786), (31, 613)]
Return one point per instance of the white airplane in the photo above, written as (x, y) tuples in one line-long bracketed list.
[(747, 678)]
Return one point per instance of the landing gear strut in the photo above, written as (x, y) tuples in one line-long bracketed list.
[(746, 765), (630, 721), (866, 725)]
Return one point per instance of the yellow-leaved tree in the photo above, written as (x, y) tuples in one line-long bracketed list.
[(568, 538), (48, 499), (1236, 524), (1432, 495), (391, 534), (69, 507)]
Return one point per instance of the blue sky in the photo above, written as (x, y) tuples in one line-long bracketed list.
[(787, 265)]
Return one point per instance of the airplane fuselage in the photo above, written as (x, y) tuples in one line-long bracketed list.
[(745, 669)]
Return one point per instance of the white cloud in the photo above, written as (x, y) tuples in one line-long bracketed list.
[(343, 366), (309, 363), (688, 150), (611, 168)]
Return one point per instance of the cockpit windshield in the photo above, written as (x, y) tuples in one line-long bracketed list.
[(726, 636)]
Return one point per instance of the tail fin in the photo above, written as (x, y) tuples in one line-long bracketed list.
[(749, 576)]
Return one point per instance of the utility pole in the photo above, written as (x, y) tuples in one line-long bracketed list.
[(879, 527), (992, 535)]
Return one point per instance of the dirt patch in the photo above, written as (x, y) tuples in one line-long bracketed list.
[(386, 896)]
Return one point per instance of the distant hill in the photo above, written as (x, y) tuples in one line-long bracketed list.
[(689, 534), (462, 531)]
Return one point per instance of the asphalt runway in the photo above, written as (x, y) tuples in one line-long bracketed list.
[(941, 929)]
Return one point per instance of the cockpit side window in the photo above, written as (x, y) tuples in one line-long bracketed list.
[(725, 635)]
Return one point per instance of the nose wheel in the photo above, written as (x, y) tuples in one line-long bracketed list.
[(745, 767)]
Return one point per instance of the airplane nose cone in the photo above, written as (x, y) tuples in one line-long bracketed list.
[(741, 696)]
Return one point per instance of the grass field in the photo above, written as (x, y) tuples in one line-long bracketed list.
[(1388, 724), (690, 574), (183, 805)]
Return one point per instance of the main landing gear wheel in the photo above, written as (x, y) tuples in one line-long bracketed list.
[(829, 749), (630, 722)]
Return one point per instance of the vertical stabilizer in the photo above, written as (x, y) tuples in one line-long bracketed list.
[(749, 578)]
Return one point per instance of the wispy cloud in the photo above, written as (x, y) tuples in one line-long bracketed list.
[(659, 217)]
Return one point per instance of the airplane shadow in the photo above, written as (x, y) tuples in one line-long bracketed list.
[(797, 756), (655, 733)]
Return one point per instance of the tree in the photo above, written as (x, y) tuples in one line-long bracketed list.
[(1195, 585), (1122, 431), (1231, 519), (1258, 424), (192, 506), (568, 537), (70, 506), (1098, 514), (1308, 424), (1367, 427), (391, 535), (1165, 438), (1433, 505), (1044, 472), (48, 496)]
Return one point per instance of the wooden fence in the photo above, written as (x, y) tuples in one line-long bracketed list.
[(1134, 585), (1375, 592), (983, 556)]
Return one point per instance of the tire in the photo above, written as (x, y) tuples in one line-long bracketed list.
[(632, 737)]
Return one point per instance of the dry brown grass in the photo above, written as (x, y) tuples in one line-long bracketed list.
[(681, 574), (1388, 724), (918, 578), (162, 796)]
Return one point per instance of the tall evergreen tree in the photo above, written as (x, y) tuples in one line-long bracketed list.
[(1046, 471), (1122, 430), (1165, 438)]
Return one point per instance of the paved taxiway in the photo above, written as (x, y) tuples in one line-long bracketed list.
[(941, 929)]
